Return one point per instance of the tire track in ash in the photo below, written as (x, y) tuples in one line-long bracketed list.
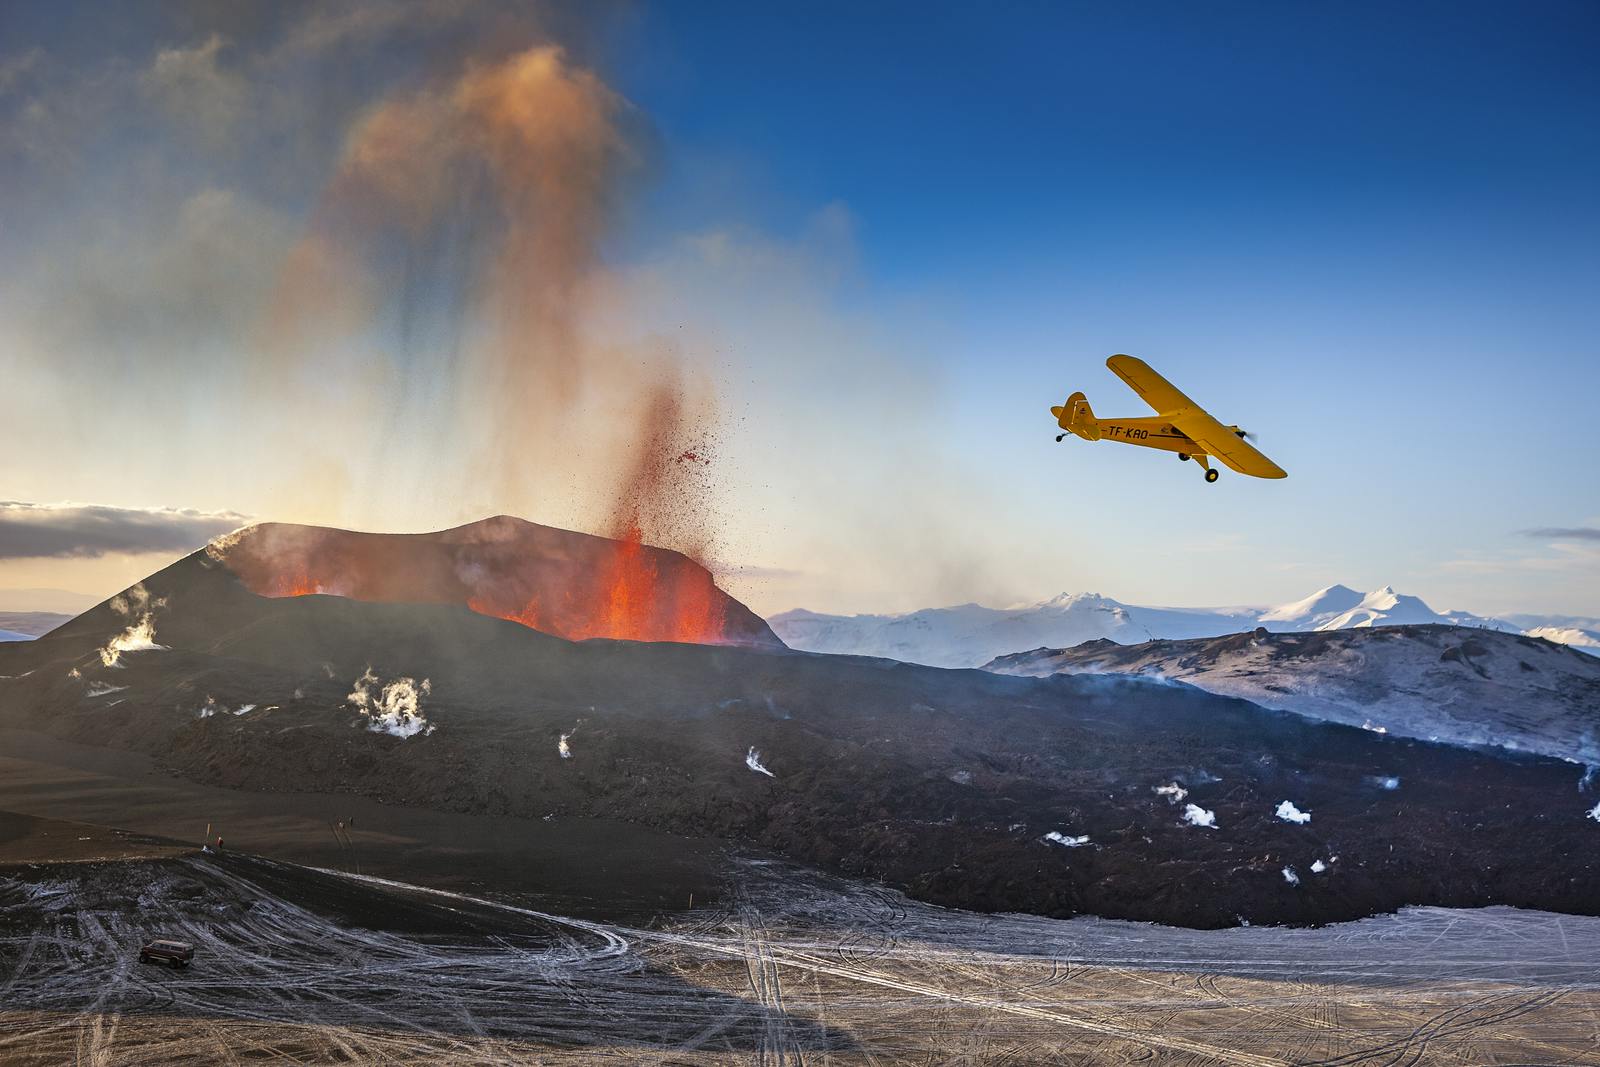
[(618, 943), (778, 1046), (1413, 1047)]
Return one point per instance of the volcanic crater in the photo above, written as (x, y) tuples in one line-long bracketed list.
[(1056, 795)]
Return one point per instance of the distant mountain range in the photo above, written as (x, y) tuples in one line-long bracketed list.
[(24, 625), (1464, 687), (295, 659), (970, 635)]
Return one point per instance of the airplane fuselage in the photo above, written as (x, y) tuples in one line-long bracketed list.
[(1180, 425), (1149, 433)]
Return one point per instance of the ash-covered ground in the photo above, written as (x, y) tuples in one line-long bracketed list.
[(790, 967), (1060, 796)]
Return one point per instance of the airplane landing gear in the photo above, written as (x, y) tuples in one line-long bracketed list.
[(1060, 437), (1183, 457), (1211, 476)]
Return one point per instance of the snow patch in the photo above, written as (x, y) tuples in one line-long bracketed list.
[(1289, 813), (101, 689), (1317, 867), (1056, 837), (1594, 813), (752, 759), (1290, 876), (394, 709), (1195, 815), (1368, 724), (244, 708)]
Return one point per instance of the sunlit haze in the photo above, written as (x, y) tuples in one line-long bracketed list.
[(398, 267)]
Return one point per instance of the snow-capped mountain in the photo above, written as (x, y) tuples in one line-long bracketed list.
[(12, 635), (1469, 687), (1340, 608), (1583, 640), (970, 635)]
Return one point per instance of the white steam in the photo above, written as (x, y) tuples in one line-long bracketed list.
[(1290, 876), (1056, 837), (394, 709), (1289, 813), (1195, 815), (139, 637), (135, 600), (752, 759), (564, 748), (1174, 792)]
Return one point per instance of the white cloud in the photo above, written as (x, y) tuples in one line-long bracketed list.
[(85, 531), (193, 88)]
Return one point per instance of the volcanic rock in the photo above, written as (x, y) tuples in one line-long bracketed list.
[(563, 583), (946, 783), (1459, 684)]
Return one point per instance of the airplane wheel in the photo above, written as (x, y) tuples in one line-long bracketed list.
[(1060, 437), (1183, 457), (1211, 476)]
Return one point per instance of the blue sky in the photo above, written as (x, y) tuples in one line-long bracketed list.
[(893, 235), (1369, 232)]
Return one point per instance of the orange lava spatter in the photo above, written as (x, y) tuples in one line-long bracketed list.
[(567, 584)]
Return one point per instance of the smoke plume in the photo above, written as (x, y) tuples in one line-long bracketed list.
[(462, 223)]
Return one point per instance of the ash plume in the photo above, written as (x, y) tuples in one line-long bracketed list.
[(493, 187)]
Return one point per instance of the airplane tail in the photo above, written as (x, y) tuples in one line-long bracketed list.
[(1075, 416)]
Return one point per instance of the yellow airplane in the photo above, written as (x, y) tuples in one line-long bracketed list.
[(1180, 425)]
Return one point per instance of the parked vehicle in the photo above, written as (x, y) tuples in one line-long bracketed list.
[(172, 953)]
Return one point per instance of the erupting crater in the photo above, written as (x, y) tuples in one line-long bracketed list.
[(571, 585)]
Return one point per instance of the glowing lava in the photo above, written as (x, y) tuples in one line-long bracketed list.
[(568, 584)]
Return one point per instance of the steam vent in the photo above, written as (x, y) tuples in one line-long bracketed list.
[(571, 585)]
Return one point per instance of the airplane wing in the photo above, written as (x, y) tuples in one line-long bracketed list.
[(1219, 441), (1156, 391)]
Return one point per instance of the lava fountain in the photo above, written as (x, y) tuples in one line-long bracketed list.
[(572, 585)]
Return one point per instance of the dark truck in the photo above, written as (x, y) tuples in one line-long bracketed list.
[(172, 953)]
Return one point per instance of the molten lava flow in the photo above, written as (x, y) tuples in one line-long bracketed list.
[(699, 613), (566, 584), (298, 583), (630, 589)]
